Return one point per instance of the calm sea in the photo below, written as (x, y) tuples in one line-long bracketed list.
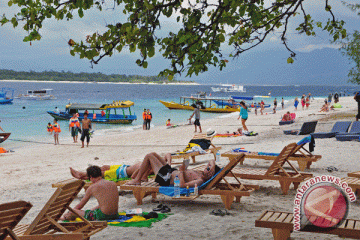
[(27, 119)]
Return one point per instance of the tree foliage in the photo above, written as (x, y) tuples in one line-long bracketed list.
[(351, 48), (204, 27)]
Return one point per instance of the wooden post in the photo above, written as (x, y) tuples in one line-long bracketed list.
[(281, 234)]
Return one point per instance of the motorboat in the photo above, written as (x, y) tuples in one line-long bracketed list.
[(229, 88), (6, 95), (43, 94)]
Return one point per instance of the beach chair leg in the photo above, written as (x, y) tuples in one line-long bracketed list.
[(139, 195), (302, 165), (193, 159), (153, 195), (285, 185), (308, 165), (237, 199), (296, 185), (281, 234), (227, 200)]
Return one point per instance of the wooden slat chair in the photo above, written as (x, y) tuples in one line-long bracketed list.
[(303, 157), (10, 215), (46, 222), (192, 155), (354, 183), (275, 171), (354, 174), (218, 186), (281, 224)]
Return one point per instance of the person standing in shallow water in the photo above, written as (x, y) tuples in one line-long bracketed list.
[(244, 115), (197, 117)]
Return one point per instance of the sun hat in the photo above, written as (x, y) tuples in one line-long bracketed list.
[(210, 132)]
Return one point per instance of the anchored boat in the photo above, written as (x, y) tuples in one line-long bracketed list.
[(43, 94), (115, 113), (6, 95), (207, 105), (4, 136)]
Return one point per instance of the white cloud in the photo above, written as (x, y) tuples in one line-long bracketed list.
[(312, 47)]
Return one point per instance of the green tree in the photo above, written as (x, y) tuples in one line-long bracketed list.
[(351, 48), (204, 27)]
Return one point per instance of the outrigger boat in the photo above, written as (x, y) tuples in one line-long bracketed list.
[(6, 95), (105, 115), (4, 136), (208, 103)]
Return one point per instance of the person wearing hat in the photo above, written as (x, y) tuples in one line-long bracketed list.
[(197, 117), (144, 118)]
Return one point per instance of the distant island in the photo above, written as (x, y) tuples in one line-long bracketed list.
[(82, 77)]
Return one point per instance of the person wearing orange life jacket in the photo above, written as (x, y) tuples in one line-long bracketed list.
[(74, 126), (148, 119), (57, 130), (49, 128), (144, 115)]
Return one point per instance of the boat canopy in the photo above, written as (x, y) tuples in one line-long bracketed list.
[(94, 106)]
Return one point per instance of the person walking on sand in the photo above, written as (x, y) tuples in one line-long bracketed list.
[(86, 126), (244, 115), (1, 128), (56, 131), (197, 117), (148, 119), (262, 107), (307, 102), (282, 103), (74, 126), (296, 103), (357, 98), (106, 194), (275, 105), (303, 102), (144, 118)]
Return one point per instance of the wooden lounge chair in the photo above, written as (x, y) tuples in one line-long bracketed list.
[(10, 215), (192, 155), (354, 174), (354, 183), (281, 224), (228, 192), (46, 223), (303, 157), (275, 171)]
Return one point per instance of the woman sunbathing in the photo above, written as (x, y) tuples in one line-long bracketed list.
[(286, 117), (165, 174)]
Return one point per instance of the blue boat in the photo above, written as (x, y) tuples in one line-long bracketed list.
[(6, 95), (237, 104), (105, 116), (242, 98)]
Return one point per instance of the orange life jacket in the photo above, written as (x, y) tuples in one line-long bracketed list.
[(144, 115), (148, 116), (75, 123), (56, 127), (50, 128)]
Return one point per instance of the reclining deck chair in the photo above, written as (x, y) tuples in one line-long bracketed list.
[(353, 134), (307, 128), (46, 223), (338, 128), (214, 186), (304, 157), (192, 155), (275, 171), (10, 215), (281, 224)]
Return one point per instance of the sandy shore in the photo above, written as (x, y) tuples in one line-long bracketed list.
[(28, 173)]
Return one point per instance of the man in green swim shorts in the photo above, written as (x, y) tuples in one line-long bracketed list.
[(105, 192)]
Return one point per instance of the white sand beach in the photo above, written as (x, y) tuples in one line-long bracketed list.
[(28, 173)]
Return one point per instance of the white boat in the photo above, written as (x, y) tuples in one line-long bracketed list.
[(43, 94), (229, 88)]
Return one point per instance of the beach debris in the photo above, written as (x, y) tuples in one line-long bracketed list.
[(96, 158), (331, 169)]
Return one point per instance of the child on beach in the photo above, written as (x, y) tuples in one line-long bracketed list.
[(296, 103), (244, 115), (56, 130), (49, 128), (168, 124)]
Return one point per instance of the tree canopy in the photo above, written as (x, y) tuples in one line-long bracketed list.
[(205, 26), (351, 48)]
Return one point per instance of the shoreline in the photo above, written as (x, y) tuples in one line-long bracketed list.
[(36, 167)]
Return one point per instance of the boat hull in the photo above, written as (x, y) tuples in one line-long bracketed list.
[(112, 119), (172, 105), (4, 136), (6, 101), (37, 98)]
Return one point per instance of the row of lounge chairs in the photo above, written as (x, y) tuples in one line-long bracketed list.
[(341, 131)]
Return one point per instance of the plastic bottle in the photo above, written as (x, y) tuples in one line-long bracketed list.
[(187, 191), (196, 190), (177, 187), (218, 156)]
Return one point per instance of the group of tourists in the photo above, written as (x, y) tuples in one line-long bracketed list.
[(305, 101), (147, 117), (74, 128)]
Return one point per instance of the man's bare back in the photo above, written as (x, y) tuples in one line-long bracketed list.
[(107, 195), (86, 123)]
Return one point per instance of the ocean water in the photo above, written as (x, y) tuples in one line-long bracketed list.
[(27, 119)]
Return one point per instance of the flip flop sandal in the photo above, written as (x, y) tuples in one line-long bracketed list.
[(217, 212), (158, 208), (165, 209)]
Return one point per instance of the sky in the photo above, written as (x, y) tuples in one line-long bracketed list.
[(317, 61)]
